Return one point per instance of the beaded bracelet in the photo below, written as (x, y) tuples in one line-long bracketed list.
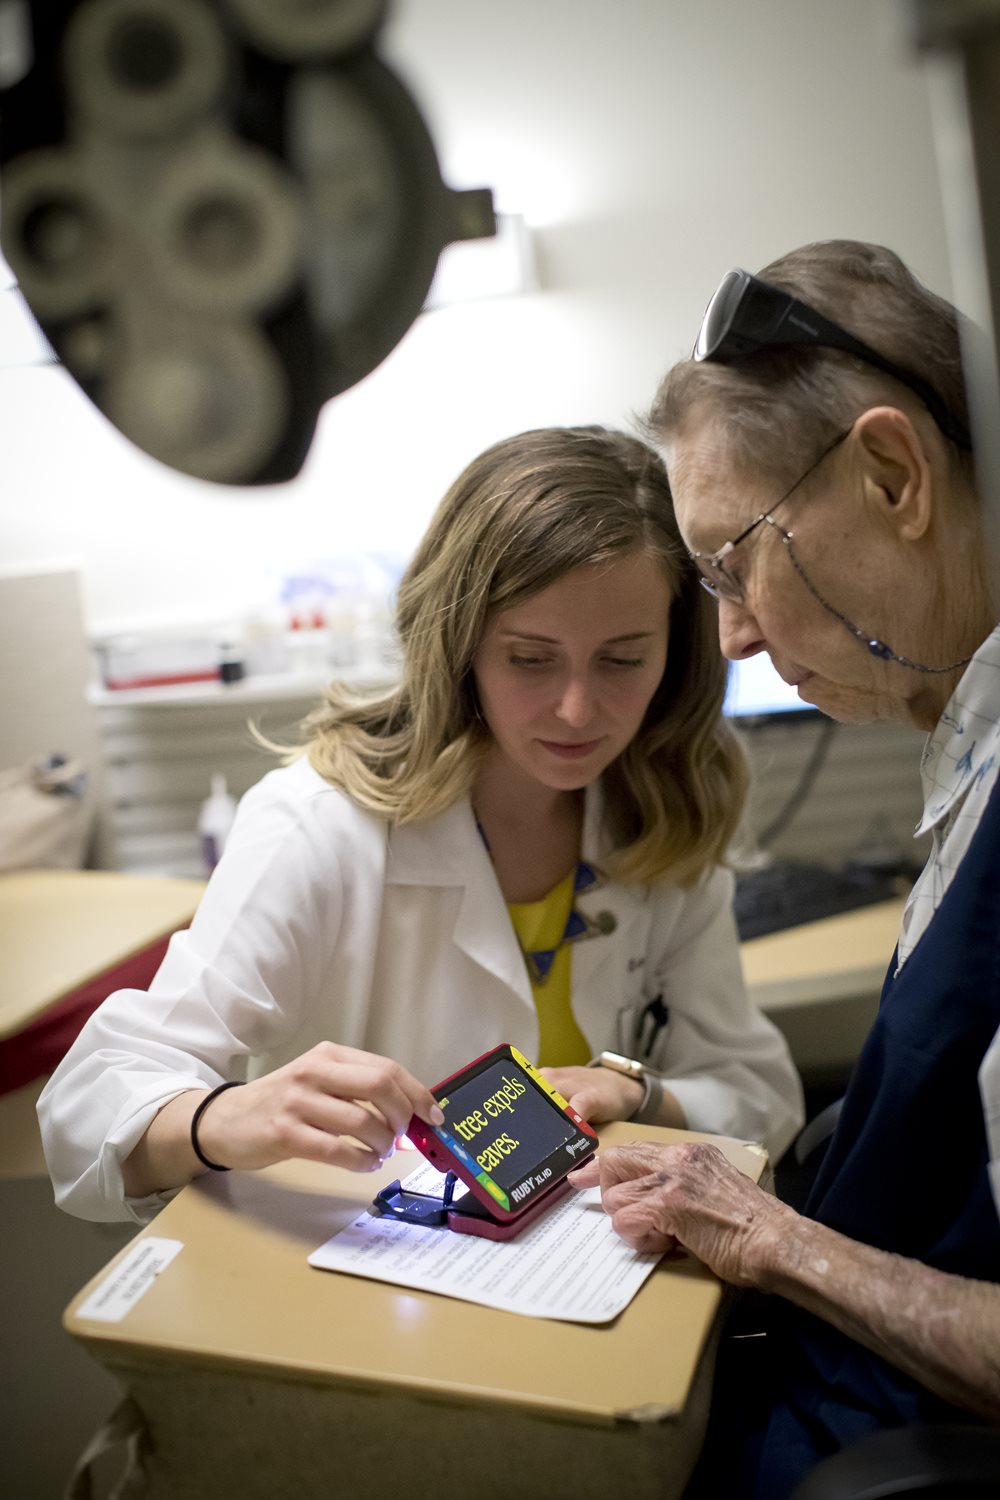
[(199, 1153)]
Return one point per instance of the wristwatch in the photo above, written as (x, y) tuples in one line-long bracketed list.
[(652, 1096)]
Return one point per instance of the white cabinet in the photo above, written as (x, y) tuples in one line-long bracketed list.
[(162, 745), (866, 794)]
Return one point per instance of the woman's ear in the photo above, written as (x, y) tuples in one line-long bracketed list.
[(896, 470)]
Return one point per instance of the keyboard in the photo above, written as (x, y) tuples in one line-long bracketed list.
[(788, 894)]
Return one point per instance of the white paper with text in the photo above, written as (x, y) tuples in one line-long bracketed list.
[(570, 1265)]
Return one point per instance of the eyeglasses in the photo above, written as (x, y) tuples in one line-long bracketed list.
[(713, 576), (747, 315), (722, 585)]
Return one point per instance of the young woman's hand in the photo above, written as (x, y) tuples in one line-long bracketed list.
[(333, 1104), (598, 1094)]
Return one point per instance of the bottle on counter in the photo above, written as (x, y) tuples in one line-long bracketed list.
[(215, 819), (232, 667)]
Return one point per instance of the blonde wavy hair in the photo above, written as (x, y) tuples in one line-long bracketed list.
[(524, 513)]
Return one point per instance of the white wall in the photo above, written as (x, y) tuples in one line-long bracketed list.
[(652, 143)]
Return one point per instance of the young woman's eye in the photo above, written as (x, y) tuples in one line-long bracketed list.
[(528, 661), (625, 661)]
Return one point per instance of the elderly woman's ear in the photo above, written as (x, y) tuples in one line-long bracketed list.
[(897, 470)]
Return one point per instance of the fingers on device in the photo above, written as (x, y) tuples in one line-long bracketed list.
[(508, 1135)]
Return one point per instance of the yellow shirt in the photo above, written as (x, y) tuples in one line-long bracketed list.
[(540, 925)]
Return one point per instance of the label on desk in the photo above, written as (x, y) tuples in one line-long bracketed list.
[(130, 1279), (570, 1265)]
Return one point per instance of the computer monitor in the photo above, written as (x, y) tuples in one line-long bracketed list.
[(757, 695)]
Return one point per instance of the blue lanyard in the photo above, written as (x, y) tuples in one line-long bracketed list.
[(579, 927)]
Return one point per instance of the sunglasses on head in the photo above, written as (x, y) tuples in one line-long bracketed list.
[(747, 315)]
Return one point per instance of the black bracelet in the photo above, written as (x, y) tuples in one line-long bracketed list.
[(199, 1153)]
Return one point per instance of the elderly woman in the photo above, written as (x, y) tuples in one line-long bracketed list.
[(818, 451)]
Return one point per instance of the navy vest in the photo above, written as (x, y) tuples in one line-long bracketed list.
[(906, 1171)]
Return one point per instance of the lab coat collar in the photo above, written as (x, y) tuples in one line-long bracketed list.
[(439, 851), (964, 743), (609, 903), (448, 851)]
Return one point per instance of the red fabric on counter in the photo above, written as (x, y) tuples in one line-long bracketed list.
[(35, 1051)]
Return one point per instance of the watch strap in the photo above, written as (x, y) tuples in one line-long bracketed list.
[(650, 1103), (648, 1109)]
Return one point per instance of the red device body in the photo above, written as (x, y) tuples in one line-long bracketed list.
[(509, 1136)]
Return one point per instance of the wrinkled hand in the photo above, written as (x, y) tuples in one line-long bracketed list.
[(333, 1104), (598, 1094), (660, 1197)]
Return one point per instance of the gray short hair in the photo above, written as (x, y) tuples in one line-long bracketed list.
[(777, 409)]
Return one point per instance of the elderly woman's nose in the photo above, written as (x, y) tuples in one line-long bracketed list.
[(739, 633)]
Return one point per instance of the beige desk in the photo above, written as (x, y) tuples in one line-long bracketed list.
[(259, 1376), (63, 933), (62, 930), (820, 983)]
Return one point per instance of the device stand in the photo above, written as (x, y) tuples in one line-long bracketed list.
[(424, 1209), (465, 1215)]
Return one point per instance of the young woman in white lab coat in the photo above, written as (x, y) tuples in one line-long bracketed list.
[(523, 842)]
